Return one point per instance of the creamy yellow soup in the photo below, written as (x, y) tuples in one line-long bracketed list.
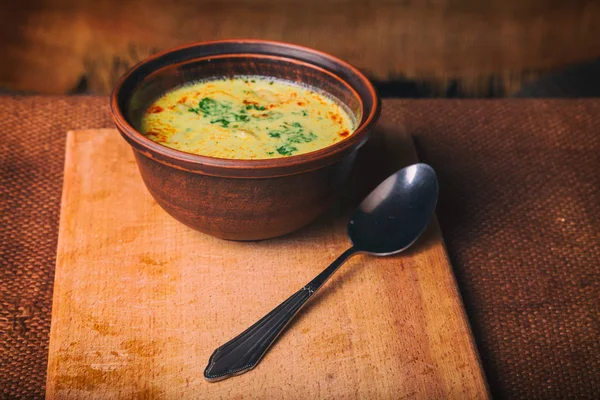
[(246, 118)]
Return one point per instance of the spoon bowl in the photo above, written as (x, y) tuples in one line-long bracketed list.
[(394, 215), (389, 220)]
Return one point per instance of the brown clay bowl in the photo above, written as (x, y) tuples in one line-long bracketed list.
[(243, 199)]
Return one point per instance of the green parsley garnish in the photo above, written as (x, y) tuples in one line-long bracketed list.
[(286, 150)]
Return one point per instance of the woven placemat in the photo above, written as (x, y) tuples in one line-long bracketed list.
[(519, 209)]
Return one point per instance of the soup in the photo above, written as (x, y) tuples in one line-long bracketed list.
[(246, 118)]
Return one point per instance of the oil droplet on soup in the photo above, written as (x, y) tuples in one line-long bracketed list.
[(246, 118)]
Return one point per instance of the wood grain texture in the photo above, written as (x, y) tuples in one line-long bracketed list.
[(141, 301), (468, 46)]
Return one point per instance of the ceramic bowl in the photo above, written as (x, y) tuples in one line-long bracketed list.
[(243, 199)]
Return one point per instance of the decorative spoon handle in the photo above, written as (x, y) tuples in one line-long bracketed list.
[(243, 352)]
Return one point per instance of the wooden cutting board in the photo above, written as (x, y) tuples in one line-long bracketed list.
[(141, 301)]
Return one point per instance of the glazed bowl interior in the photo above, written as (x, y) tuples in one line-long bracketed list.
[(226, 59)]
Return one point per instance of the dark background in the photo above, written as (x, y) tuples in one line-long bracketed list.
[(410, 48)]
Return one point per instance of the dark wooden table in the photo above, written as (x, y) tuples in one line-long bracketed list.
[(519, 209)]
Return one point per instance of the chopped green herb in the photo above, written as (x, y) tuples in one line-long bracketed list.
[(241, 118), (220, 111), (224, 123), (293, 133), (210, 107), (301, 137), (270, 153), (304, 113), (286, 150), (255, 107), (270, 83)]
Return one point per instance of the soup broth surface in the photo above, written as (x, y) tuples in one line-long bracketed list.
[(246, 118)]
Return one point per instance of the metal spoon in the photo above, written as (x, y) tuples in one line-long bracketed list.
[(387, 222)]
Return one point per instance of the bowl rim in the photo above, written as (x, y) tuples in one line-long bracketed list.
[(244, 168)]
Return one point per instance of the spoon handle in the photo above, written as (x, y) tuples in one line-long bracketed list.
[(243, 352)]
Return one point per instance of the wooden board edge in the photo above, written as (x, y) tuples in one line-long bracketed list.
[(50, 387), (454, 284), (463, 315)]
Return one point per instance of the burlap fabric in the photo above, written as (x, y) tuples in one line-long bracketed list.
[(519, 210)]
